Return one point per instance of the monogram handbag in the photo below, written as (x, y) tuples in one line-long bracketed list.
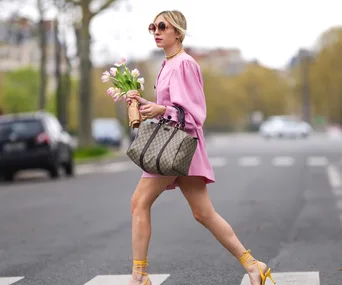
[(162, 148)]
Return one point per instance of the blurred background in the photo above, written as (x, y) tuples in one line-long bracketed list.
[(259, 61)]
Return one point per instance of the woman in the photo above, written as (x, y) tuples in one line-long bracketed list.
[(180, 83)]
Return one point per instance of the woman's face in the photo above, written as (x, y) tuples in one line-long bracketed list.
[(164, 33)]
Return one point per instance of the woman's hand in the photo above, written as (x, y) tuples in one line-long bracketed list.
[(152, 110), (148, 109), (141, 100)]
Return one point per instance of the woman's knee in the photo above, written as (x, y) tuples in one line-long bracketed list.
[(145, 194), (140, 202), (204, 216)]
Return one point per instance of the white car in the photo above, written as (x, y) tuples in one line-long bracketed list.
[(284, 127)]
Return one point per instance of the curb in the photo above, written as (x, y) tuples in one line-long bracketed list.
[(100, 161)]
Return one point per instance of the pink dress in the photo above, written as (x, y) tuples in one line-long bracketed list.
[(180, 83)]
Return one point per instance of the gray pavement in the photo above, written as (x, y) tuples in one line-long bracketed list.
[(282, 198)]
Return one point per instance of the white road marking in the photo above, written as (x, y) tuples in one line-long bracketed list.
[(337, 192), (218, 161), (156, 279), (283, 161), (317, 161), (111, 167), (249, 161), (85, 169), (9, 280), (334, 176), (339, 204), (290, 278), (116, 167)]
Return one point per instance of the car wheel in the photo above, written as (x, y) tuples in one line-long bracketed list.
[(54, 170), (9, 176), (69, 166)]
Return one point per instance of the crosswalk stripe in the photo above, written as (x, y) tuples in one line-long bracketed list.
[(156, 279), (9, 280), (337, 192), (317, 161), (334, 177), (283, 161), (339, 204), (249, 161), (244, 161), (290, 278), (218, 161)]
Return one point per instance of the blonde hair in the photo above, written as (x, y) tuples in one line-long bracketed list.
[(177, 20)]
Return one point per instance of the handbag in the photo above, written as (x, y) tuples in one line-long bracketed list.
[(162, 148)]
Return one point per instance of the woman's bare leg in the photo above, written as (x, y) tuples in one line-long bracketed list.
[(147, 191), (195, 191)]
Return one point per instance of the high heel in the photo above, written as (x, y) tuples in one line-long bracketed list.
[(138, 265), (247, 260)]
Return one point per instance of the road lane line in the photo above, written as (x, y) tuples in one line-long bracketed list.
[(9, 280), (156, 279), (337, 192), (283, 161), (218, 161), (339, 204), (317, 161), (334, 176), (249, 161), (290, 278)]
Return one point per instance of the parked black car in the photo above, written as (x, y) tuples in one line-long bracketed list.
[(34, 141)]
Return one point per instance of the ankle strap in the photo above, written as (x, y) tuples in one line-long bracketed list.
[(140, 264), (245, 258)]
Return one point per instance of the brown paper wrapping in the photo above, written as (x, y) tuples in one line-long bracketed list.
[(134, 116)]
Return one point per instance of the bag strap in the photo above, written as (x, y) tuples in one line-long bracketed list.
[(181, 115)]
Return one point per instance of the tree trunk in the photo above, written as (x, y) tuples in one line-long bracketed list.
[(58, 77), (42, 41), (85, 92)]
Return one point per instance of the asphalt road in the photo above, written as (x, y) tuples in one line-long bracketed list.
[(282, 198)]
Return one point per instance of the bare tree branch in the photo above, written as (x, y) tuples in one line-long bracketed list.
[(75, 2), (103, 7)]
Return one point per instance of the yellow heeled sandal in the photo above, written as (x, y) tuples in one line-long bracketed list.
[(247, 260), (140, 264)]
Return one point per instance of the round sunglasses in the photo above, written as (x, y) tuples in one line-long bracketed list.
[(153, 27)]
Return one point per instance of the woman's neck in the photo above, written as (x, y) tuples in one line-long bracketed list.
[(172, 51)]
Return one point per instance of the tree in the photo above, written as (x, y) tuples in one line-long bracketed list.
[(62, 62), (326, 76), (231, 100), (41, 5), (20, 90), (85, 90)]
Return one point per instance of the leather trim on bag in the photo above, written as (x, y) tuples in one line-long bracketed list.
[(162, 150), (147, 146)]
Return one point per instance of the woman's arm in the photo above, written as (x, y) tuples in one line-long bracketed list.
[(186, 91)]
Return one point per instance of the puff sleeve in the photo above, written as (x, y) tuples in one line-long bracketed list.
[(186, 91)]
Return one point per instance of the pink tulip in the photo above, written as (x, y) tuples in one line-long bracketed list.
[(122, 62), (113, 71), (105, 76), (111, 91)]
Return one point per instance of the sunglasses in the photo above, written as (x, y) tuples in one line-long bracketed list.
[(153, 27)]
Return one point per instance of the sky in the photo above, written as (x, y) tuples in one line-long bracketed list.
[(270, 31)]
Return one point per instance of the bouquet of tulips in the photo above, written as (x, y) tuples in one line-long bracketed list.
[(126, 83)]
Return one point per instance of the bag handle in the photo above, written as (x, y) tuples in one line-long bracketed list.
[(181, 116)]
